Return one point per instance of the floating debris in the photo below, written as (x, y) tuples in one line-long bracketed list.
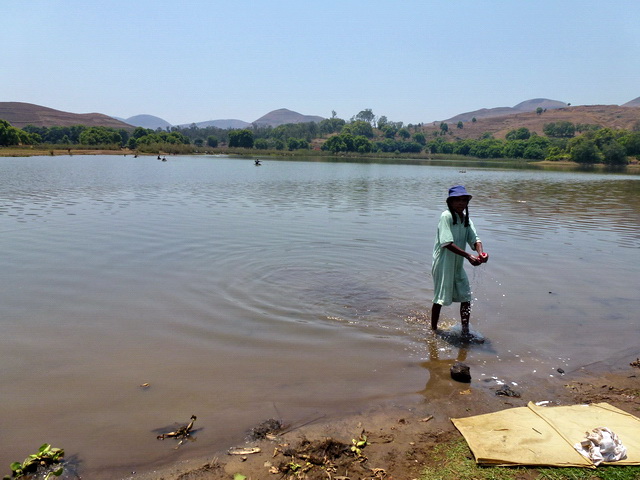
[(182, 433), (267, 429), (243, 450), (507, 391)]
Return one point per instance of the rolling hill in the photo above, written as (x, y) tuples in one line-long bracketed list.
[(21, 114), (283, 116), (612, 116), (497, 121), (633, 103), (147, 121), (526, 106), (223, 124), (272, 119)]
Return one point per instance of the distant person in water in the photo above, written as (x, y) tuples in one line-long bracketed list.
[(450, 282)]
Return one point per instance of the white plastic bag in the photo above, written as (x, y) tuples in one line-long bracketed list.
[(601, 445)]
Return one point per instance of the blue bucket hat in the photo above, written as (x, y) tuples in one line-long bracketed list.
[(459, 191)]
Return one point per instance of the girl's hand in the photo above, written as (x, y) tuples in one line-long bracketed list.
[(484, 257), (475, 261)]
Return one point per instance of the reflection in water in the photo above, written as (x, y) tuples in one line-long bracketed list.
[(440, 383)]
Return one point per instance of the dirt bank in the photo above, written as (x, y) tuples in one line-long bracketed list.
[(399, 442)]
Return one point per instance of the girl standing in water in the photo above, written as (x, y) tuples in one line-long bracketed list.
[(450, 281)]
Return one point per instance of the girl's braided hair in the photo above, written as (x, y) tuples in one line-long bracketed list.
[(455, 215)]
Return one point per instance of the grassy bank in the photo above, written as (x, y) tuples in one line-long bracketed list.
[(453, 460)]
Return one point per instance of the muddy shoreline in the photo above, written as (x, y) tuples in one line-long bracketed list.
[(401, 439)]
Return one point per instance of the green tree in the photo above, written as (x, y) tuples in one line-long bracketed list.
[(404, 133), (100, 136), (605, 136), (409, 147), (367, 115), (460, 125), (141, 132), (241, 138), (631, 143), (463, 147), (561, 129), (57, 134), (420, 138), (124, 136), (614, 154), (440, 145), (584, 150), (586, 127), (487, 148), (358, 127), (161, 137), (331, 125), (388, 145), (444, 128), (338, 143), (514, 148), (521, 133), (389, 130), (361, 144), (212, 141), (9, 135), (297, 144), (534, 152), (261, 144)]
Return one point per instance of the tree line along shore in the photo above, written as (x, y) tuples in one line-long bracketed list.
[(363, 135)]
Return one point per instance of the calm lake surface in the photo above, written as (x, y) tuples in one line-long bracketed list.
[(291, 290)]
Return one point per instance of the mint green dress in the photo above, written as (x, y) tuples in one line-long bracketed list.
[(450, 281)]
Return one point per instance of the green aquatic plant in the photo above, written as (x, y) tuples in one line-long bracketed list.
[(46, 458), (359, 444)]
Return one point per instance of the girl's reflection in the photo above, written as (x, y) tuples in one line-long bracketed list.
[(440, 383)]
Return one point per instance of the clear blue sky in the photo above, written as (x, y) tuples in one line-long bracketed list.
[(412, 61)]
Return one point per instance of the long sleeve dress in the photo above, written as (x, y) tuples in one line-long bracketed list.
[(450, 281)]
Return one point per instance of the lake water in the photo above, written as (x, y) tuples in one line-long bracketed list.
[(295, 289)]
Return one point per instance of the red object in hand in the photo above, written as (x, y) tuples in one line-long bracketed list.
[(484, 257)]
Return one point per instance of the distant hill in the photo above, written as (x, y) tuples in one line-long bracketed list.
[(148, 121), (21, 114), (544, 103), (612, 116), (497, 121), (633, 103), (283, 116), (222, 124), (526, 106)]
